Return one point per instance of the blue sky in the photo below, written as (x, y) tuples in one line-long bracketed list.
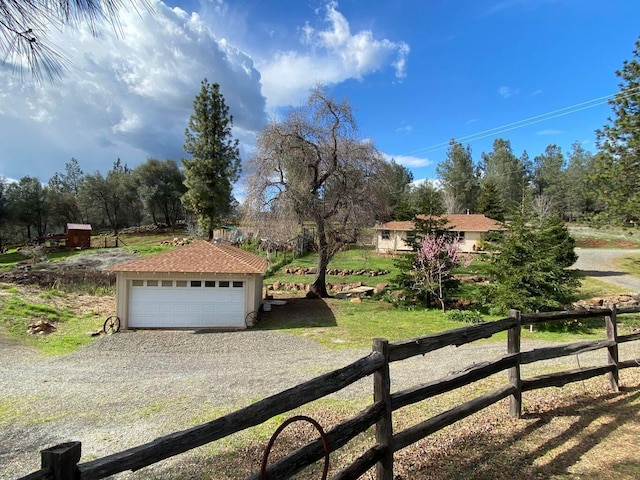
[(416, 73)]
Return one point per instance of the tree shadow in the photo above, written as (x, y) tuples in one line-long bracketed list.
[(601, 273), (297, 312), (566, 434)]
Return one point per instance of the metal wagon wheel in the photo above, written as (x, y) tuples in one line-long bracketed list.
[(296, 418), (252, 318), (111, 325)]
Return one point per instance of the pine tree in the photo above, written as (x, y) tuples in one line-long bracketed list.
[(489, 202), (528, 267), (458, 175), (617, 169), (508, 172), (215, 162)]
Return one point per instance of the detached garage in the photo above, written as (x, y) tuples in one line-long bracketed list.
[(199, 285)]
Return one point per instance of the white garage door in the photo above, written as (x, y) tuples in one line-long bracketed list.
[(186, 303)]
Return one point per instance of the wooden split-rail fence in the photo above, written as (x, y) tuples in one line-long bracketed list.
[(62, 461)]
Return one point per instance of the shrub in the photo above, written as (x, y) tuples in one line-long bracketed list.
[(466, 316)]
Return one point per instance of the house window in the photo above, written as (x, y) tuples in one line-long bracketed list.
[(167, 283), (181, 283), (196, 283), (137, 283), (224, 284), (411, 236), (238, 284), (209, 283), (152, 283), (386, 235)]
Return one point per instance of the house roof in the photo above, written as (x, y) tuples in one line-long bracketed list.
[(78, 226), (198, 257), (472, 222)]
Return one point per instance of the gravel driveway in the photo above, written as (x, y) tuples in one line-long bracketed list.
[(131, 387), (599, 262)]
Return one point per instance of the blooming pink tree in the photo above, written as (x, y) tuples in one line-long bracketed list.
[(435, 259)]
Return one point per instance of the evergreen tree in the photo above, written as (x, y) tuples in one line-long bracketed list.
[(400, 191), (528, 267), (426, 199), (160, 186), (580, 194), (508, 172), (459, 179), (215, 162), (549, 178), (64, 189), (489, 203), (617, 169)]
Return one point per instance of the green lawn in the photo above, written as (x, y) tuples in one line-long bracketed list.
[(18, 310), (356, 258), (630, 264)]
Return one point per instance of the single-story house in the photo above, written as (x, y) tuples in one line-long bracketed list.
[(78, 235), (391, 237), (199, 285)]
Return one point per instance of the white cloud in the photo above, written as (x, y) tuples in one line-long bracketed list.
[(506, 92), (127, 96), (329, 56), (406, 129), (435, 182), (409, 161)]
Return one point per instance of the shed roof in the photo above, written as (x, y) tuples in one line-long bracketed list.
[(78, 226), (198, 257), (473, 222)]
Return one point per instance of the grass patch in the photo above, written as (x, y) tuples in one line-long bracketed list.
[(605, 237), (629, 264), (591, 287), (17, 313), (336, 323), (356, 258), (148, 249)]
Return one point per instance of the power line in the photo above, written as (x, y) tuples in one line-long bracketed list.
[(527, 121)]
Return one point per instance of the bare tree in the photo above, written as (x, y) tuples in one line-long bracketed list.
[(25, 26), (542, 208), (313, 167), (452, 203)]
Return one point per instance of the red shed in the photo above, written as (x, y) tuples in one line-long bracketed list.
[(78, 235)]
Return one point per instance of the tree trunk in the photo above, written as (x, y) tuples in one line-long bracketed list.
[(441, 295), (319, 285)]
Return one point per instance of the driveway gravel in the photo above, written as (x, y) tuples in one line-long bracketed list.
[(600, 263), (132, 387)]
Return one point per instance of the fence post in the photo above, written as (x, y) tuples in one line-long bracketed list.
[(612, 352), (62, 460), (513, 346), (384, 427)]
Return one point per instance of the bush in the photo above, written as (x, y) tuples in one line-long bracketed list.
[(466, 316)]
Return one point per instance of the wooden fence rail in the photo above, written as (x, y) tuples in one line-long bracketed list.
[(61, 462)]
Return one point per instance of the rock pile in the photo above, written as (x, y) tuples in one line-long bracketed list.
[(341, 272), (176, 242), (625, 300), (357, 288), (41, 327)]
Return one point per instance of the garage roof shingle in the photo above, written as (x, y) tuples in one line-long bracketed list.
[(198, 257)]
